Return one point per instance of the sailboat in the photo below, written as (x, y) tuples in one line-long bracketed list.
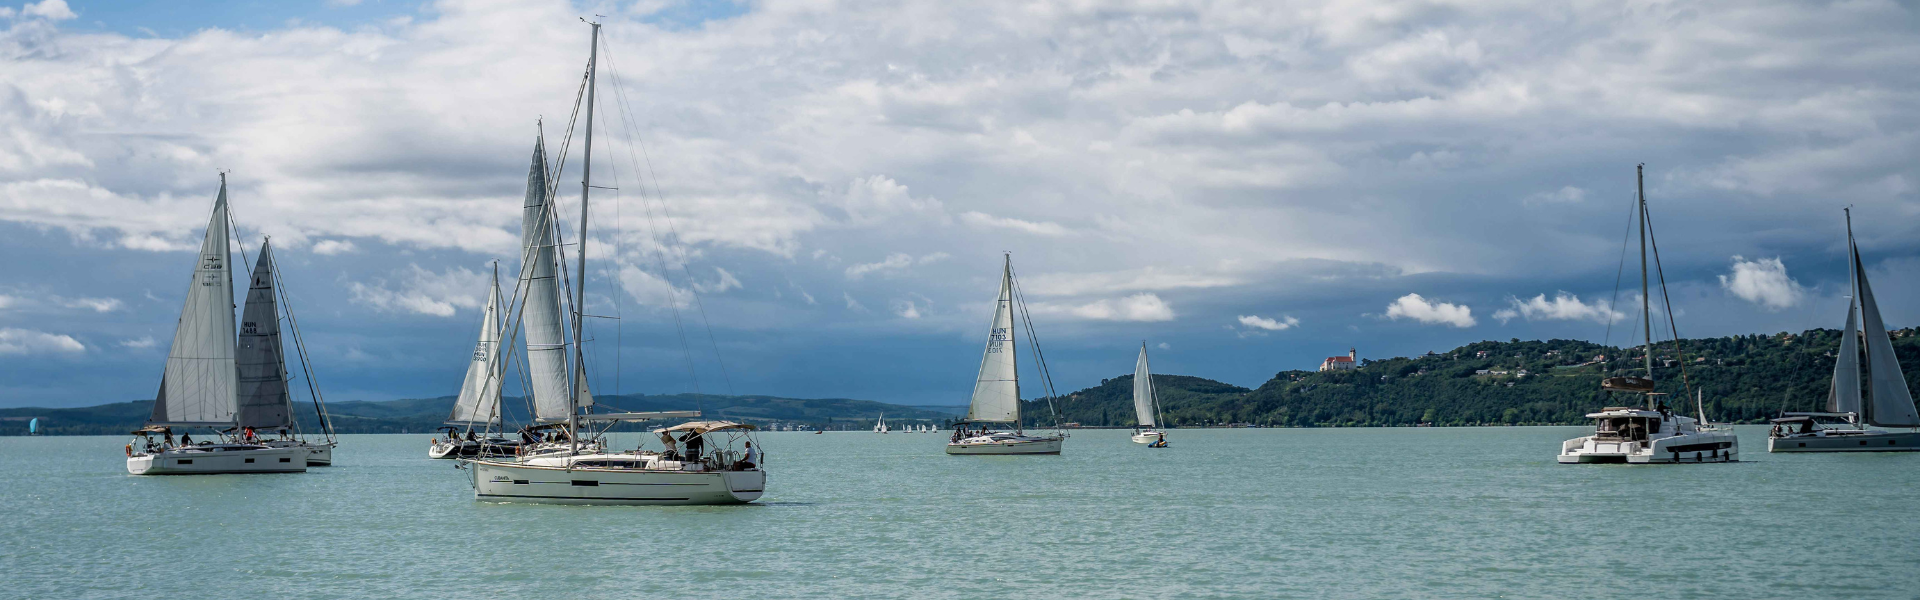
[(1146, 405), (571, 465), (880, 425), (1888, 402), (265, 400), (1653, 434), (996, 391), (33, 426), (199, 388), (478, 406)]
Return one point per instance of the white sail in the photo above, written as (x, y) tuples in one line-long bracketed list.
[(540, 313), (996, 392), (263, 402), (1142, 390), (479, 401), (1892, 402), (1844, 397), (198, 387)]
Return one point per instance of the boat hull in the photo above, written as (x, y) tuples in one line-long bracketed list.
[(471, 449), (503, 481), (1871, 440), (1147, 437), (319, 454), (1007, 447), (1701, 447), (219, 460)]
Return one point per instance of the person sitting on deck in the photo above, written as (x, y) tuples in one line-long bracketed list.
[(747, 462), (470, 436)]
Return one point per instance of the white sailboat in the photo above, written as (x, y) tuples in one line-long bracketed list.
[(572, 465), (996, 391), (880, 425), (1146, 405), (265, 410), (476, 412), (1888, 402), (1654, 434), (199, 387)]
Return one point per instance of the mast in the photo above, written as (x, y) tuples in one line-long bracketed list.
[(1013, 353), (1853, 278), (580, 283), (1646, 299)]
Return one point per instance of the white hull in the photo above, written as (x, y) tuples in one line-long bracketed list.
[(1006, 445), (319, 454), (1698, 447), (1845, 440), (1147, 437), (213, 459), (509, 481)]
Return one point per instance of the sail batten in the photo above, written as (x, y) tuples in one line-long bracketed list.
[(996, 392), (198, 386), (1143, 391), (540, 312), (479, 401), (263, 401), (1891, 402)]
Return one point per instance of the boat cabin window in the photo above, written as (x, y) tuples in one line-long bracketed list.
[(1630, 428)]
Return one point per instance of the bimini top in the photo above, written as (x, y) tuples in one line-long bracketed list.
[(1617, 411), (705, 427)]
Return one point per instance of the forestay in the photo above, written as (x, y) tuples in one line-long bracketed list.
[(1143, 390), (546, 338), (479, 402), (996, 393), (261, 364), (198, 385)]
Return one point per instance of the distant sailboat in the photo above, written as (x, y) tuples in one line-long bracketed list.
[(1888, 402), (33, 426), (478, 406), (199, 386), (996, 392), (1653, 434), (880, 425), (1146, 405)]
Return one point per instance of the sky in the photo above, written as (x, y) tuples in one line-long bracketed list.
[(813, 198)]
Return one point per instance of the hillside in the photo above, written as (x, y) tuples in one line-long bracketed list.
[(424, 414)]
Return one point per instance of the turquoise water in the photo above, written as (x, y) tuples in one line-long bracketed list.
[(1321, 513)]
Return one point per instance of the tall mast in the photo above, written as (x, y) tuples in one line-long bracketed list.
[(1853, 278), (1646, 299), (1013, 356), (580, 282)]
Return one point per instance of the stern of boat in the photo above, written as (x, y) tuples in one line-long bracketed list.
[(746, 486)]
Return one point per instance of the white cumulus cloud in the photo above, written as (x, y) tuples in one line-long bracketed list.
[(1144, 307), (1413, 306), (93, 304), (52, 10), (27, 341), (145, 341), (420, 291), (1763, 281), (1563, 307), (331, 247)]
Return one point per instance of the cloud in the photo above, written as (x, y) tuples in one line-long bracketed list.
[(52, 10), (897, 261), (93, 304), (6, 301), (1163, 346), (1255, 325), (424, 292), (1412, 306), (722, 282), (984, 220), (1564, 195), (1763, 281), (1563, 307), (1145, 279), (332, 247), (878, 199), (853, 305), (27, 341), (1144, 307), (145, 341), (906, 309), (655, 292)]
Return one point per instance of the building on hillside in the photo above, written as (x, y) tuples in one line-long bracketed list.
[(1341, 363)]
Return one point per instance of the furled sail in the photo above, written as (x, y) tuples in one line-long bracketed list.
[(540, 313), (262, 369), (996, 393), (1892, 404), (1142, 390), (198, 386), (1845, 395), (479, 402)]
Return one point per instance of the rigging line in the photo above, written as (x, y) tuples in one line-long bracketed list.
[(1033, 340), (619, 91), (300, 346), (1618, 273), (1672, 325)]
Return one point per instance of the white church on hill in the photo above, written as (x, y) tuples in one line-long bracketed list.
[(1341, 363)]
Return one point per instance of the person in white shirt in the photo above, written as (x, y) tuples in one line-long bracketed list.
[(749, 461)]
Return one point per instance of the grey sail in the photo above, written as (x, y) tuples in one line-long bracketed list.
[(1892, 402), (262, 368), (1142, 390), (1845, 395), (996, 392), (198, 385), (479, 402), (540, 313)]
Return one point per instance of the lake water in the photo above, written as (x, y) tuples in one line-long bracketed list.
[(1321, 513)]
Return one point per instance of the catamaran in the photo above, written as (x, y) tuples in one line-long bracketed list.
[(1888, 402), (571, 463), (1146, 405), (476, 412), (996, 391), (1654, 434), (242, 403)]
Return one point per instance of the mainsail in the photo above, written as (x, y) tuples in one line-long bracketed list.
[(263, 399), (479, 402), (546, 336), (1844, 397), (1892, 402), (198, 385), (1143, 403), (996, 393)]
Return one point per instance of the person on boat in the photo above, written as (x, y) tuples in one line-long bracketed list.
[(694, 445), (247, 434), (186, 439), (470, 437), (672, 452), (747, 462), (169, 435)]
